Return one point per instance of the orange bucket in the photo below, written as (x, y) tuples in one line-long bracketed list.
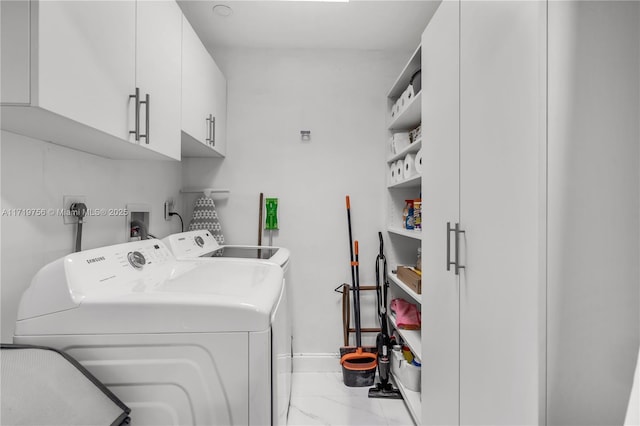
[(359, 368)]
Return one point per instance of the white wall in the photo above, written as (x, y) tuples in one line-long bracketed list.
[(340, 96), (38, 174), (594, 210)]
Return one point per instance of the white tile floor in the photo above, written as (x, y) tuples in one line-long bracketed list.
[(323, 399)]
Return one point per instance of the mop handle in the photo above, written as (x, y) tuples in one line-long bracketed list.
[(350, 235), (353, 279), (357, 297)]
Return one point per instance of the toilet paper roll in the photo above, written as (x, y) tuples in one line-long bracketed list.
[(418, 162), (392, 173), (409, 170), (410, 93), (399, 170), (395, 109)]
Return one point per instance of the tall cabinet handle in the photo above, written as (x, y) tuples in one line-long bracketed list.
[(136, 97), (449, 262), (147, 103), (456, 261)]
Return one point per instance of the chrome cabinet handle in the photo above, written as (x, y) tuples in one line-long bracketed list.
[(456, 262), (136, 132), (449, 262), (457, 259), (147, 103), (212, 124), (208, 129)]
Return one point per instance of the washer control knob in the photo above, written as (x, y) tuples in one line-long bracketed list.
[(199, 241), (136, 259)]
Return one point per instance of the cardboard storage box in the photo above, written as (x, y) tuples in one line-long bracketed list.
[(411, 278)]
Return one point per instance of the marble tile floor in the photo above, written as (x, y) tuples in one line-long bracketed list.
[(323, 399)]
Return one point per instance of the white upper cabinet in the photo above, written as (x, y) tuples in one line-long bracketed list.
[(204, 99), (73, 66), (158, 51)]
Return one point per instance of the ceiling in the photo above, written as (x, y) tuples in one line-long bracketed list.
[(357, 24)]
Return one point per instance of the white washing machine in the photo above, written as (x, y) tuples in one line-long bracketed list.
[(200, 244), (180, 342)]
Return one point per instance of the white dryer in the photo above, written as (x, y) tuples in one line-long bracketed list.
[(180, 342), (200, 244)]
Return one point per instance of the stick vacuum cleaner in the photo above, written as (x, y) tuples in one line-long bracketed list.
[(383, 389)]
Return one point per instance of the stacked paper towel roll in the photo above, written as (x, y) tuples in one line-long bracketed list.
[(409, 166), (418, 162)]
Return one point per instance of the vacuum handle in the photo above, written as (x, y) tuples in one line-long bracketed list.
[(356, 295)]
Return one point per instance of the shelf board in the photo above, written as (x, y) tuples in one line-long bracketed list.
[(412, 147), (410, 118), (413, 338), (415, 181), (411, 233), (412, 399), (404, 78), (415, 296)]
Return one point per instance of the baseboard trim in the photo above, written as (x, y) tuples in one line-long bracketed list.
[(316, 363)]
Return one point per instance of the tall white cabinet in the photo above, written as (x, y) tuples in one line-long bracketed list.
[(531, 147), (482, 103)]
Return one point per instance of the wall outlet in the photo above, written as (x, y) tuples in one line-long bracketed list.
[(67, 200), (169, 207)]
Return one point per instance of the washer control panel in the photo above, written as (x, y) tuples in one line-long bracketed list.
[(192, 244), (117, 266)]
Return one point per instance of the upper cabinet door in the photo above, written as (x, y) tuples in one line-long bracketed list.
[(158, 74), (440, 189), (197, 93), (204, 99), (220, 110), (85, 57)]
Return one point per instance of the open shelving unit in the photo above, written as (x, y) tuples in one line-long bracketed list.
[(405, 242)]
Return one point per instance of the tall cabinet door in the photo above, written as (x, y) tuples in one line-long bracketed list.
[(502, 53), (440, 185), (158, 68)]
